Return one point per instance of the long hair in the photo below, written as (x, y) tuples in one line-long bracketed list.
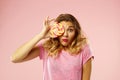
[(53, 45)]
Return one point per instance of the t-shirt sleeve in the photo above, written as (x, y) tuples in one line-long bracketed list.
[(42, 52), (87, 54)]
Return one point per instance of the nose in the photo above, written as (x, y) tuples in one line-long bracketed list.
[(65, 34)]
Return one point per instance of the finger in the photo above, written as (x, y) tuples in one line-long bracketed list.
[(46, 20), (52, 19)]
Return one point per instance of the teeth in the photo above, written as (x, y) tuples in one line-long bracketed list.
[(56, 30)]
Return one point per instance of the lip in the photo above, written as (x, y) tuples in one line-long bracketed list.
[(65, 40)]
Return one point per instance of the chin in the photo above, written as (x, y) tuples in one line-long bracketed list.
[(65, 45)]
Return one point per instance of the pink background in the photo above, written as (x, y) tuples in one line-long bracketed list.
[(20, 20)]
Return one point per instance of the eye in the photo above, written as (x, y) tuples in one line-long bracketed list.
[(70, 30)]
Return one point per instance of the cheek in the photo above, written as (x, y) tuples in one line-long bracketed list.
[(60, 39), (72, 36)]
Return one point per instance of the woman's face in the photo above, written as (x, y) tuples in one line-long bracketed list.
[(69, 34)]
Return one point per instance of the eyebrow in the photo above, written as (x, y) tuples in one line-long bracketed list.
[(71, 26)]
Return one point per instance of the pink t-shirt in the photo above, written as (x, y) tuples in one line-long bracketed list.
[(65, 67)]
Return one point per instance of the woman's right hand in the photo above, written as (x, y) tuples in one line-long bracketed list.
[(46, 27)]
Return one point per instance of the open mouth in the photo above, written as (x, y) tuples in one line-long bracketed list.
[(65, 40)]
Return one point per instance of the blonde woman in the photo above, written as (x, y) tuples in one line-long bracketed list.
[(65, 57)]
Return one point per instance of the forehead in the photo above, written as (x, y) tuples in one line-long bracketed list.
[(67, 24)]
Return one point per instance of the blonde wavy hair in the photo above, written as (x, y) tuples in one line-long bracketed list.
[(53, 46)]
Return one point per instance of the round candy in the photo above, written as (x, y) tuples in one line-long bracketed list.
[(56, 30)]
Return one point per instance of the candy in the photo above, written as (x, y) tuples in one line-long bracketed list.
[(56, 30)]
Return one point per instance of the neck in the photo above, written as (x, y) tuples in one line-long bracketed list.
[(66, 48)]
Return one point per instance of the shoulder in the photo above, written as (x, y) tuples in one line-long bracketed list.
[(86, 49), (40, 45)]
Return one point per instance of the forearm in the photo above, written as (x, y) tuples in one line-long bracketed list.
[(87, 70), (25, 49)]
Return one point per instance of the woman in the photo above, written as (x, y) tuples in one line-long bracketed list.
[(65, 57)]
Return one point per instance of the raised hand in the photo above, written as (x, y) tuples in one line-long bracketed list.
[(46, 26)]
